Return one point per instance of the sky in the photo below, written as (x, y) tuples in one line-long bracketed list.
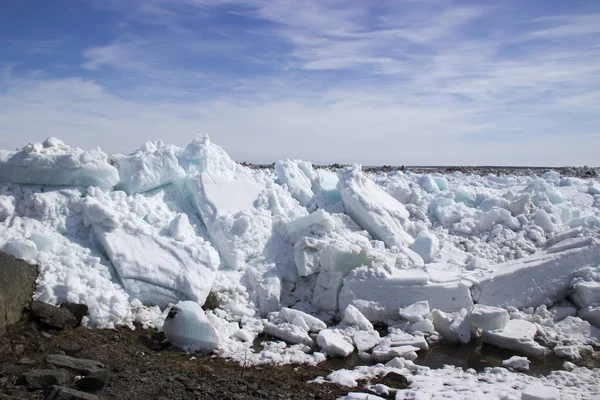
[(400, 82)]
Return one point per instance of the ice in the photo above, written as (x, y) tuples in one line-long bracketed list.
[(426, 245), (372, 299), (384, 217), (313, 323), (543, 220), (22, 248), (539, 279), (585, 294), (401, 338), (517, 363), (567, 352), (415, 312), (155, 164), (294, 230), (328, 186), (385, 352), (488, 318), (335, 343), (307, 254), (327, 290), (54, 163), (299, 177), (7, 207), (518, 336), (342, 257), (498, 216), (158, 270), (289, 332), (423, 326), (366, 340), (538, 392), (591, 315), (460, 326), (186, 326), (428, 184), (352, 316), (179, 227), (360, 396)]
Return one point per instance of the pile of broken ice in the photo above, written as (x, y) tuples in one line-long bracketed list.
[(288, 251)]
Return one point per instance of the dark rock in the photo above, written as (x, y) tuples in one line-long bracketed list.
[(394, 380), (17, 283), (54, 317), (82, 365), (70, 347), (63, 393), (78, 310), (26, 361), (94, 381), (47, 335), (43, 378)]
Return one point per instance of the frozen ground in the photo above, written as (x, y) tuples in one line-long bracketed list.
[(314, 257)]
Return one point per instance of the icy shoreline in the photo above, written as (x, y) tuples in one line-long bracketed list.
[(291, 251)]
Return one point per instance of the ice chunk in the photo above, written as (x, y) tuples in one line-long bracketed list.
[(441, 182), (384, 217), (360, 396), (180, 227), (314, 323), (384, 352), (498, 216), (266, 286), (460, 326), (511, 283), (366, 340), (428, 184), (517, 363), (343, 257), (24, 249), (424, 326), (186, 326), (352, 316), (594, 188), (154, 165), (328, 186), (372, 297), (298, 180), (543, 220), (201, 155), (401, 338), (307, 252), (591, 315), (294, 230), (442, 322), (54, 163), (327, 289), (517, 335), (238, 230), (488, 318), (7, 207), (585, 294), (415, 312), (334, 343), (159, 270), (288, 332), (426, 245), (521, 205), (567, 352), (539, 392)]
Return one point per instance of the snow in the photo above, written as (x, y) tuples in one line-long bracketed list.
[(517, 363), (313, 257), (187, 327), (54, 163)]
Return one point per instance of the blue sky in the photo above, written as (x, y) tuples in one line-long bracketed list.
[(414, 82)]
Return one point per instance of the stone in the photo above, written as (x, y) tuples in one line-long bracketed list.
[(94, 381), (43, 378), (78, 310), (70, 347), (394, 380), (54, 317), (17, 284), (85, 366), (63, 393)]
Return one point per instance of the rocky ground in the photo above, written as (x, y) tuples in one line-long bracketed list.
[(44, 357)]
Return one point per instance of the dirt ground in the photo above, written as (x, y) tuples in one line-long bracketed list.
[(143, 367)]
